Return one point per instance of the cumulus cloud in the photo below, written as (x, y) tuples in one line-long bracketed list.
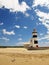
[(25, 27), (8, 33), (1, 5), (41, 34), (17, 26), (42, 14), (20, 39), (43, 17), (1, 23), (4, 38), (27, 15), (14, 5), (41, 3), (38, 24)]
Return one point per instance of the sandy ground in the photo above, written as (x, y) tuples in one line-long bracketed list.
[(21, 56)]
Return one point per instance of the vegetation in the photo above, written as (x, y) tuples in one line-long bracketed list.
[(11, 46)]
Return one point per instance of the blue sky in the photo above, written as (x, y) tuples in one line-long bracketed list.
[(18, 18)]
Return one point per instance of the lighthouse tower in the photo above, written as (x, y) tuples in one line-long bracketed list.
[(34, 40)]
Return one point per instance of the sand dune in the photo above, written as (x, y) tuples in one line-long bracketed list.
[(21, 56)]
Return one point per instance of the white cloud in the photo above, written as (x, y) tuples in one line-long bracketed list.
[(1, 23), (43, 17), (32, 17), (41, 3), (1, 5), (27, 15), (43, 44), (8, 33), (42, 38), (17, 26), (25, 27), (48, 32), (4, 38), (42, 14), (20, 44), (46, 37), (20, 39), (41, 34), (14, 5), (38, 24)]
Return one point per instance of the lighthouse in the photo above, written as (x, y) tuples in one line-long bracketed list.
[(33, 44), (34, 40)]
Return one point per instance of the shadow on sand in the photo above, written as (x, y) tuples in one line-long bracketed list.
[(38, 48)]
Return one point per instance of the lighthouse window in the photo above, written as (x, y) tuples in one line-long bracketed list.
[(35, 42), (34, 35)]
